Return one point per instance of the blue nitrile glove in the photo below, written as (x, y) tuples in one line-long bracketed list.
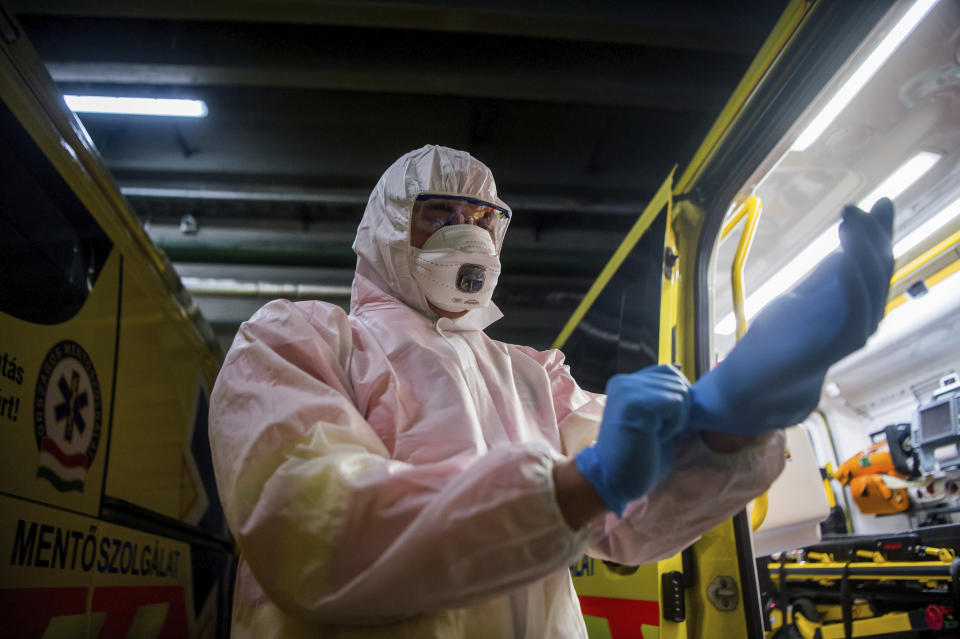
[(634, 449), (772, 377)]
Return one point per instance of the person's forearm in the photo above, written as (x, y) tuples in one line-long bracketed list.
[(720, 442), (578, 500)]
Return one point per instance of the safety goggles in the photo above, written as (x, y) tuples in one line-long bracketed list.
[(432, 212)]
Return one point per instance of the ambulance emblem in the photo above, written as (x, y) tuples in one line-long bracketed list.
[(67, 416)]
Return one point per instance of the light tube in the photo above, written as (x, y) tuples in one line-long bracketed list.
[(136, 106), (927, 229), (336, 197), (901, 179), (862, 75), (222, 286)]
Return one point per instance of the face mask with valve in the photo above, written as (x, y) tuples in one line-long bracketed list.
[(457, 268)]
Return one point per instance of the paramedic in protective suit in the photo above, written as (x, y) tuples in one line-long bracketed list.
[(394, 472)]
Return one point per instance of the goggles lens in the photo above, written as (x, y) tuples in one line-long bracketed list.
[(433, 212)]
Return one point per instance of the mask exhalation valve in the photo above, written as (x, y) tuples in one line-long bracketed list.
[(470, 278)]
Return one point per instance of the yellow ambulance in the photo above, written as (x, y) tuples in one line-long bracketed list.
[(111, 525)]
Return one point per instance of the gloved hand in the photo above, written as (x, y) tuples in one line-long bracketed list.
[(772, 377), (644, 413)]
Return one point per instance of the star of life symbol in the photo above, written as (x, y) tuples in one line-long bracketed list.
[(70, 409), (67, 416)]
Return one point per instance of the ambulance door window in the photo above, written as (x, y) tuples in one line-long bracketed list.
[(621, 331), (51, 249)]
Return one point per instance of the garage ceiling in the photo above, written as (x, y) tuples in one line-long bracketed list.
[(580, 109)]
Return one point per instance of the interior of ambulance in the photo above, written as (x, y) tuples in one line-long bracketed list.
[(859, 536), (879, 539)]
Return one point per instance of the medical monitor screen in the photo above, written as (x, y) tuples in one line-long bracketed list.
[(935, 422)]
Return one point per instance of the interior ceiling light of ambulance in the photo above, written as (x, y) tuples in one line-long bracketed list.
[(887, 125), (852, 86)]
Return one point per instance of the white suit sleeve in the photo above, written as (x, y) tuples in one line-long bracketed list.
[(335, 531), (702, 489)]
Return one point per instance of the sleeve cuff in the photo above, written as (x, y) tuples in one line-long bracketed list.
[(747, 457)]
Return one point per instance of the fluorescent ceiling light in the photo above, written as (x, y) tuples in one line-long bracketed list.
[(329, 196), (136, 106), (927, 229), (221, 286), (901, 179), (862, 75)]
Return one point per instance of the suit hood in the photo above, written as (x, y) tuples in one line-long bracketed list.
[(382, 244)]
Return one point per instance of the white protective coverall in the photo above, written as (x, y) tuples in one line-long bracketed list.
[(387, 473)]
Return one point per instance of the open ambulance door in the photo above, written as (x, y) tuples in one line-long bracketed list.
[(655, 301)]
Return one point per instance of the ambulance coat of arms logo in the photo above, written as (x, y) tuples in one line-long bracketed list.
[(67, 416)]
